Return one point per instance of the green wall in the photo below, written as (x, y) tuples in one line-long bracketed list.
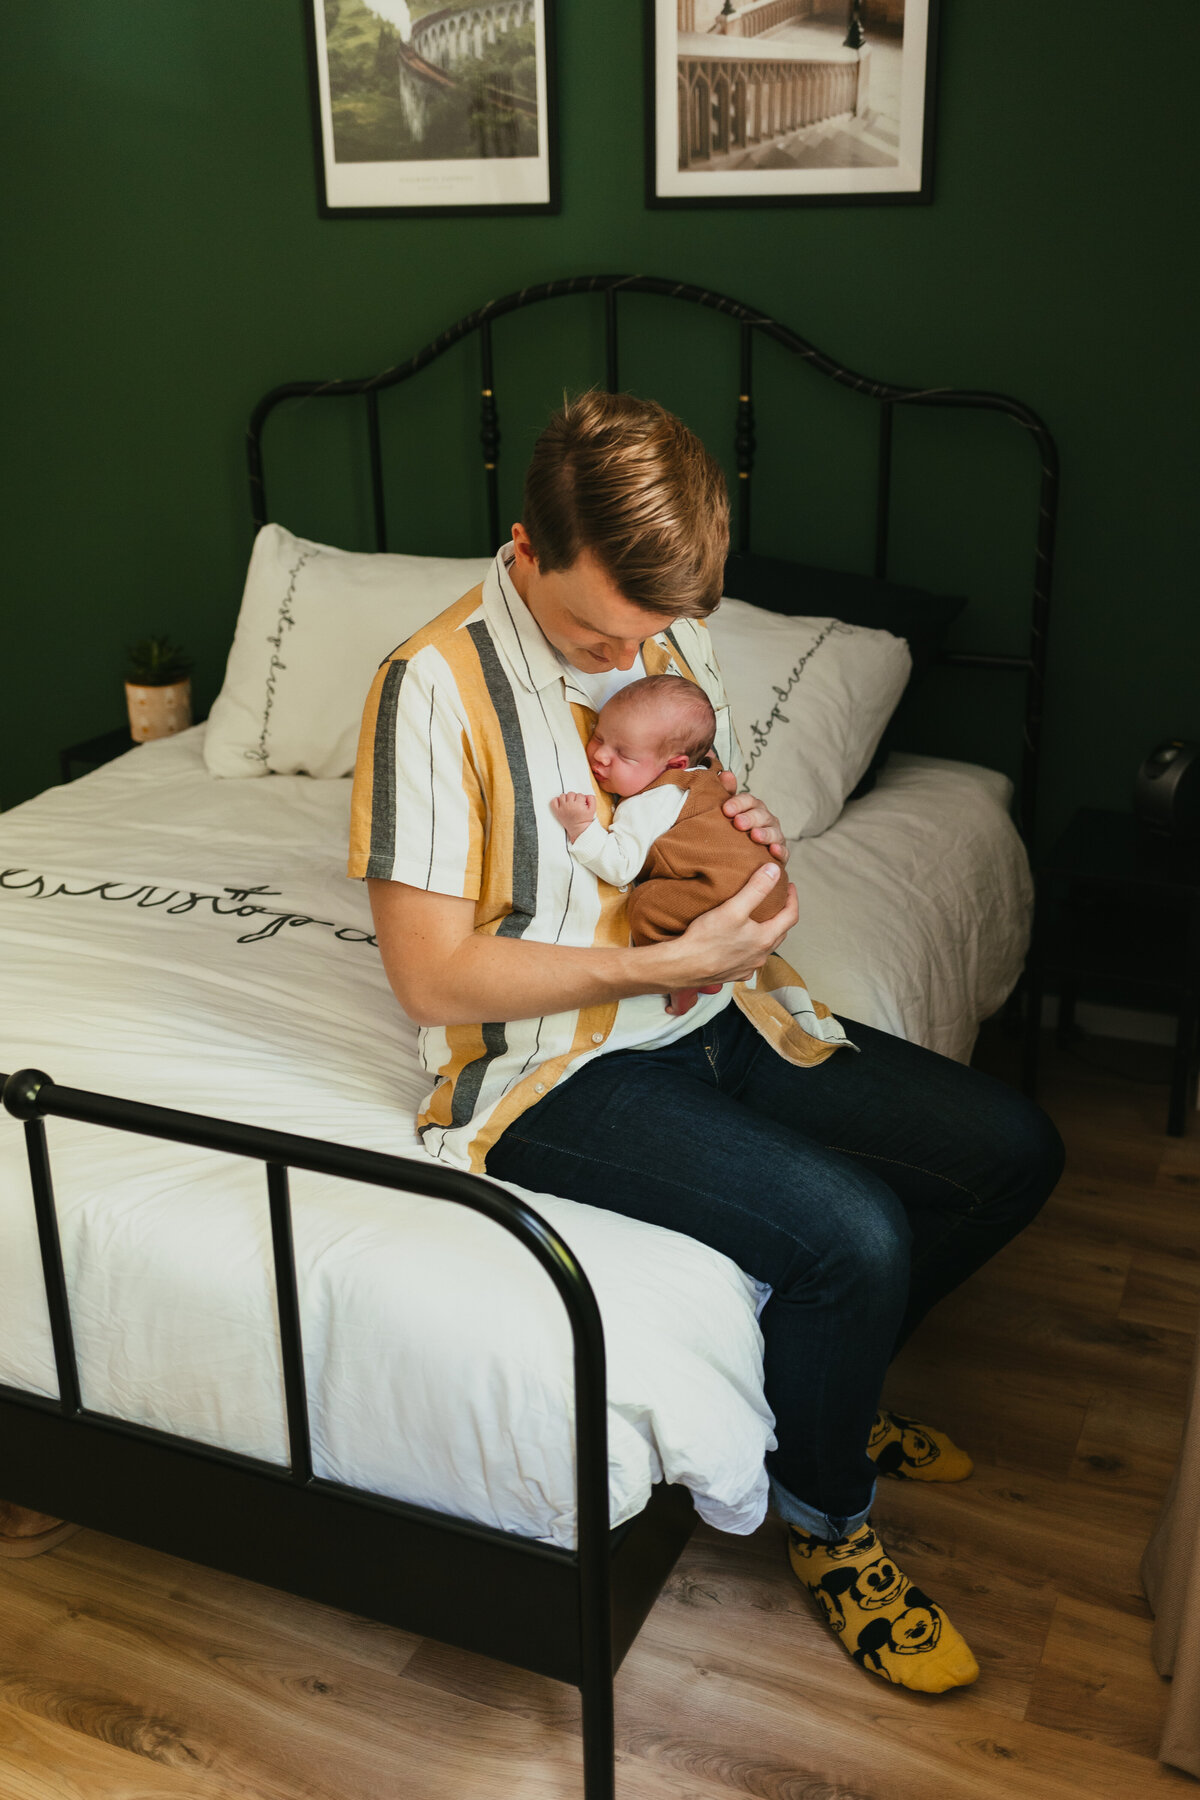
[(166, 265)]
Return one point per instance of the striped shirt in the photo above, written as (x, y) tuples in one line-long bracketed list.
[(470, 729)]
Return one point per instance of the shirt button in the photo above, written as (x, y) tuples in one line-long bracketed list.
[(597, 1037), (539, 1087)]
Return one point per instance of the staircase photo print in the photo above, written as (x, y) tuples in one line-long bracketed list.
[(785, 102), (427, 107)]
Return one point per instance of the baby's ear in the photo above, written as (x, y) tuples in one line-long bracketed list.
[(677, 762)]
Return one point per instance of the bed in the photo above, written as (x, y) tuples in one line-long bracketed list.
[(334, 1380)]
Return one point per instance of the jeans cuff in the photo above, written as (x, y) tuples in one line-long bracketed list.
[(827, 1526)]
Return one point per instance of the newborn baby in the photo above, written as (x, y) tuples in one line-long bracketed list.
[(650, 748)]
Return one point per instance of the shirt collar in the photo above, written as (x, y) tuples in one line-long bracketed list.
[(529, 654), (531, 657)]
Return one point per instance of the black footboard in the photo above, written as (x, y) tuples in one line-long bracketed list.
[(568, 1614)]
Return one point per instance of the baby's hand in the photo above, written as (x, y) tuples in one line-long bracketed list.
[(574, 812)]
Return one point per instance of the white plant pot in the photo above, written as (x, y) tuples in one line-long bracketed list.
[(158, 712)]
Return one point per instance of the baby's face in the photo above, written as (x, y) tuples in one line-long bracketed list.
[(626, 750)]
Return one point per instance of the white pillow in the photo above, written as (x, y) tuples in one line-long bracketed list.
[(809, 700), (314, 626)]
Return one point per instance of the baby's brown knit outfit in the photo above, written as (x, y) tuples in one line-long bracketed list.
[(702, 860)]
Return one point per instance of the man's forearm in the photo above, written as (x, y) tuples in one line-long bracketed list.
[(512, 978), (444, 972)]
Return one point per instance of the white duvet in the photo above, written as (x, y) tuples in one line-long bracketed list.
[(194, 943)]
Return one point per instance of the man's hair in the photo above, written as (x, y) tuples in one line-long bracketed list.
[(688, 721), (626, 480)]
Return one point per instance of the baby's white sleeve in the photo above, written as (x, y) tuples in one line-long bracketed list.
[(618, 855)]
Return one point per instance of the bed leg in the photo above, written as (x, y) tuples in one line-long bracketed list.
[(599, 1775)]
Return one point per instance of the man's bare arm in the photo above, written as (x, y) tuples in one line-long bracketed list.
[(443, 972)]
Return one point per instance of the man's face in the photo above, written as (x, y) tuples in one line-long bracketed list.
[(581, 612)]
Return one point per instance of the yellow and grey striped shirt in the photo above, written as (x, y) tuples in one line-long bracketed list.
[(470, 730)]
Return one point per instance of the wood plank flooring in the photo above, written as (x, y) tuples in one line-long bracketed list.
[(126, 1675)]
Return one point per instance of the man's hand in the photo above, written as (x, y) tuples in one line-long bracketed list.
[(725, 943), (444, 971), (749, 814), (574, 812)]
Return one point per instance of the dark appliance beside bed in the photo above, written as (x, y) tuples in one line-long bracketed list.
[(571, 1614)]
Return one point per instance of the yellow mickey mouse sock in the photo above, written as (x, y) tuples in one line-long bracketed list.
[(914, 1452), (885, 1623)]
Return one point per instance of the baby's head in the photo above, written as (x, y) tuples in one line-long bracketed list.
[(663, 722)]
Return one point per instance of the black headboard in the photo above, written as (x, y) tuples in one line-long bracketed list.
[(748, 323)]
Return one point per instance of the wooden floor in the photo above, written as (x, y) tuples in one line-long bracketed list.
[(129, 1676)]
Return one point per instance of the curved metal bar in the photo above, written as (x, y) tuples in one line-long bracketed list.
[(883, 490), (376, 453), (30, 1095), (891, 394), (489, 431), (54, 1277), (611, 365), (744, 441), (291, 1342), (674, 290)]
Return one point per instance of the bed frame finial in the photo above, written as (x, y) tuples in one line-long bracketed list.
[(20, 1092)]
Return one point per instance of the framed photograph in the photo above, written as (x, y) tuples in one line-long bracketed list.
[(789, 102), (420, 107)]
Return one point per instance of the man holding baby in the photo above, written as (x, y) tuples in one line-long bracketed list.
[(688, 1080)]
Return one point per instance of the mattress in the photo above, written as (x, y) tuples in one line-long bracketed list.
[(194, 943), (915, 908)]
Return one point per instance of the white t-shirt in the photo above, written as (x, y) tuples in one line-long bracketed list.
[(601, 687)]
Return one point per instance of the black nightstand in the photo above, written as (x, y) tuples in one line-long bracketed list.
[(1118, 911), (91, 752)]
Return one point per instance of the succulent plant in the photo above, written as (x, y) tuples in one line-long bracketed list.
[(156, 662)]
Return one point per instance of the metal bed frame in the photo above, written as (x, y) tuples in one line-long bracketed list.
[(750, 323), (568, 1614)]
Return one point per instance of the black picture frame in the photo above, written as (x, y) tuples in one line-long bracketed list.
[(711, 180), (361, 188)]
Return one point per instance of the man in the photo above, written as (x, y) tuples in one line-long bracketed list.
[(861, 1177)]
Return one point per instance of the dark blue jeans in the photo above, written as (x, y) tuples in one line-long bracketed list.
[(861, 1191)]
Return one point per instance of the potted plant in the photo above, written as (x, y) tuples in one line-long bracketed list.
[(158, 689)]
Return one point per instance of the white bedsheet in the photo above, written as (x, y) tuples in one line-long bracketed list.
[(194, 943), (915, 907)]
